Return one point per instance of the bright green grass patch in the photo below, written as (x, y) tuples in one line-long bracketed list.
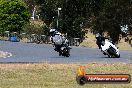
[(57, 75)]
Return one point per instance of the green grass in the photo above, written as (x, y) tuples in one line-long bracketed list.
[(57, 75)]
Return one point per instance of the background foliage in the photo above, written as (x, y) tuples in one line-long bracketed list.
[(76, 15), (14, 15)]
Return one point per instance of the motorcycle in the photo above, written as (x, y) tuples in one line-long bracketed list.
[(110, 49), (64, 51)]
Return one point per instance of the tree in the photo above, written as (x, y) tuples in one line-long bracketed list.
[(33, 8), (14, 15), (111, 16), (100, 15), (72, 16)]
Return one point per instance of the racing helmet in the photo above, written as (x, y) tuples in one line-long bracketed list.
[(52, 31), (97, 35)]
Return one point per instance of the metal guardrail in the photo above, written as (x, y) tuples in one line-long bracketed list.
[(38, 39), (74, 41)]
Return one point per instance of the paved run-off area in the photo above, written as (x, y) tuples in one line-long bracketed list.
[(44, 53)]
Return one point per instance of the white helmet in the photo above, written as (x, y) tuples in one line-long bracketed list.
[(52, 30), (98, 35)]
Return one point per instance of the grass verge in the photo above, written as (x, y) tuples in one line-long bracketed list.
[(57, 75)]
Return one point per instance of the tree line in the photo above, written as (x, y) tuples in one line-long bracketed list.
[(75, 15)]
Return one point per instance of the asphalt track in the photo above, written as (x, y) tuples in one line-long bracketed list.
[(44, 53)]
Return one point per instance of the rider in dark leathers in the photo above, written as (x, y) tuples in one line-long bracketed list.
[(58, 40)]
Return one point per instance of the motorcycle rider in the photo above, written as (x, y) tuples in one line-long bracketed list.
[(101, 43), (58, 40), (100, 40)]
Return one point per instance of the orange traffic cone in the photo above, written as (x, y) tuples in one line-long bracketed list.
[(81, 71)]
